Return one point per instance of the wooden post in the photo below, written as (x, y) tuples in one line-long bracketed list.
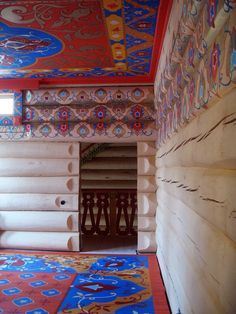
[(113, 213)]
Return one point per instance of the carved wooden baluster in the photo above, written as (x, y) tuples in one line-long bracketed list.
[(133, 204), (122, 205), (102, 205), (88, 205)]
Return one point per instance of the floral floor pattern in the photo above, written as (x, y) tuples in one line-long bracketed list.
[(39, 283)]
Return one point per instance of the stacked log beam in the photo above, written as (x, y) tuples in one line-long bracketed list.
[(39, 196)]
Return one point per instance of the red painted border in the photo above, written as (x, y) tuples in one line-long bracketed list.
[(161, 25), (158, 289), (19, 84)]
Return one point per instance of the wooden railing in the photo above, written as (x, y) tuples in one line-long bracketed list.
[(109, 212)]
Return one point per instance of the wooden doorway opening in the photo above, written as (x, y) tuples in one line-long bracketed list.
[(108, 205)]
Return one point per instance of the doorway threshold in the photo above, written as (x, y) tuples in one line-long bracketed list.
[(97, 244)]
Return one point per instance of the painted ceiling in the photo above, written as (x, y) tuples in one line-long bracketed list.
[(81, 41)]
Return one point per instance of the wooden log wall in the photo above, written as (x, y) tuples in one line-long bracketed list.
[(39, 184), (196, 220), (146, 197)]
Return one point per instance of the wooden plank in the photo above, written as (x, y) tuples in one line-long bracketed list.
[(146, 184), (39, 150), (91, 184), (188, 267), (146, 165), (146, 149), (109, 174), (18, 167), (41, 185), (41, 202), (118, 151), (38, 221), (146, 242), (208, 191), (168, 282), (147, 204), (111, 163), (56, 241), (146, 224), (197, 230)]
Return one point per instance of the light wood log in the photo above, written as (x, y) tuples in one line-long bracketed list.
[(146, 184), (147, 204), (119, 151), (210, 193), (38, 221), (56, 241), (47, 185), (146, 242), (91, 184), (111, 163), (42, 202), (168, 282), (146, 148), (18, 167), (123, 144), (197, 230), (207, 258), (146, 224), (188, 267), (109, 174), (146, 165), (38, 150)]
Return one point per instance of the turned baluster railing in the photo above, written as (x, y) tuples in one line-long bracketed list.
[(108, 212)]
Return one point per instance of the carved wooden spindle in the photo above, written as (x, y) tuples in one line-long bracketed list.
[(122, 204), (88, 205), (103, 205)]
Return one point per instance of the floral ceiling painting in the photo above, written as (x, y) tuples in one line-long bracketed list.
[(81, 39)]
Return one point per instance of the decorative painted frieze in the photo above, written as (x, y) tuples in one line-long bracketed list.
[(198, 62)]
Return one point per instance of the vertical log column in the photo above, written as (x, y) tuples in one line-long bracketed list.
[(146, 197)]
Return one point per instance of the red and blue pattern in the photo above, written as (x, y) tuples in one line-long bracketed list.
[(53, 283)]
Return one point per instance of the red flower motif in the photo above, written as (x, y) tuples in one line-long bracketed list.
[(215, 61), (63, 127), (137, 111), (100, 126), (64, 113), (100, 112), (137, 126)]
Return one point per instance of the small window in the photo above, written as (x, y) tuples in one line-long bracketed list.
[(10, 108), (7, 104)]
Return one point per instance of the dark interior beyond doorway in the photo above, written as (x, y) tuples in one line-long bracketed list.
[(108, 202)]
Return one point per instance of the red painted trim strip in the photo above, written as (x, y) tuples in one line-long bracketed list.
[(161, 26), (158, 289), (24, 84), (19, 84)]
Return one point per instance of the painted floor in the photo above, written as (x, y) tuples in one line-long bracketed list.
[(48, 283)]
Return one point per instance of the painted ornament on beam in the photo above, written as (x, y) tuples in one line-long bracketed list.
[(21, 47)]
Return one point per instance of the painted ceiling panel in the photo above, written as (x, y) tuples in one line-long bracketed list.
[(81, 39)]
